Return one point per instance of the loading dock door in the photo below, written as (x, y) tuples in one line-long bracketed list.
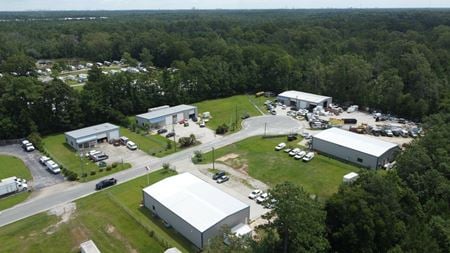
[(180, 116), (303, 104)]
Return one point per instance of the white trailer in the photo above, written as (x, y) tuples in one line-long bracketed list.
[(12, 184)]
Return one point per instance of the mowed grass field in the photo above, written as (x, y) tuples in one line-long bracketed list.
[(321, 176), (112, 218), (66, 156), (225, 110), (155, 145), (12, 166)]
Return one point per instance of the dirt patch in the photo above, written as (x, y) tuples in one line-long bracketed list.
[(79, 235), (227, 157), (64, 212), (110, 229), (234, 161)]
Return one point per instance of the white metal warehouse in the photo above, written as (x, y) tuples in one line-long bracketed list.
[(194, 208), (303, 100), (356, 148), (89, 136), (165, 115)]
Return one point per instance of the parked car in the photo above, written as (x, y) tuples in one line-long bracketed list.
[(161, 131), (186, 124), (388, 132), (43, 159), (123, 140), (280, 146), (254, 194), (287, 150), (105, 183), (222, 179), (294, 151), (100, 157), (292, 137), (308, 157), (52, 167), (131, 145), (300, 155), (218, 175), (202, 124), (27, 146), (94, 153), (171, 134), (262, 198), (273, 112), (182, 121)]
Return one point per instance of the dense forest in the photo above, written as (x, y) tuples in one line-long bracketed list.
[(396, 61)]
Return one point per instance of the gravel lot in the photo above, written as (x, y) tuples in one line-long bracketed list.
[(203, 134), (41, 177)]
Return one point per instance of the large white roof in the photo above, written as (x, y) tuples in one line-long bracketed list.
[(365, 144), (166, 111), (97, 129), (194, 200), (305, 96)]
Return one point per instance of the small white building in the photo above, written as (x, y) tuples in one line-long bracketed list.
[(350, 177), (89, 136), (359, 149), (194, 208), (303, 100), (166, 115), (89, 247)]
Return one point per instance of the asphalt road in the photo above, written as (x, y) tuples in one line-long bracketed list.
[(251, 127), (41, 177)]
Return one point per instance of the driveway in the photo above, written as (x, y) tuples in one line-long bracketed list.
[(41, 177)]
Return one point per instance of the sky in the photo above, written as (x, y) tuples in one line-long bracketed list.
[(22, 5)]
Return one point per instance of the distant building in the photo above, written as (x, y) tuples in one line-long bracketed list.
[(303, 100), (194, 208), (355, 148), (166, 115), (89, 247), (89, 136)]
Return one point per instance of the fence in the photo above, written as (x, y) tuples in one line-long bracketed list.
[(10, 142)]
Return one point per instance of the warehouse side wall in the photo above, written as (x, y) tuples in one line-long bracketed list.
[(180, 225), (343, 153), (242, 216)]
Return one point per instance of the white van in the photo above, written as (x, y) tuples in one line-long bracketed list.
[(131, 145), (52, 167), (123, 140)]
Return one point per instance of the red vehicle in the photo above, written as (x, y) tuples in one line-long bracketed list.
[(182, 121)]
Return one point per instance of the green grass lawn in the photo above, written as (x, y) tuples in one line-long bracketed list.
[(112, 218), (155, 145), (13, 166), (66, 156), (225, 110), (321, 176)]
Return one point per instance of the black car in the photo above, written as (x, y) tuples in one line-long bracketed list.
[(292, 137), (195, 119), (105, 183), (171, 134), (162, 130), (218, 175)]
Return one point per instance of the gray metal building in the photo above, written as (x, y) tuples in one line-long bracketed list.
[(355, 148), (89, 136), (194, 208), (303, 100), (165, 115)]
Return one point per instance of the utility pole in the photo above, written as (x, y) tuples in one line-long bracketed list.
[(236, 119), (173, 131), (148, 173), (213, 159)]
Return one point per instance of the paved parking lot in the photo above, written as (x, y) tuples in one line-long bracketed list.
[(123, 154), (41, 177), (203, 134)]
